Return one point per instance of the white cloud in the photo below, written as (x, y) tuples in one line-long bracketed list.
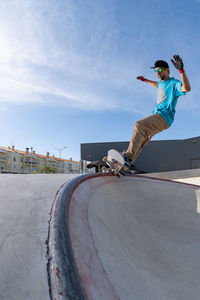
[(41, 54), (53, 48)]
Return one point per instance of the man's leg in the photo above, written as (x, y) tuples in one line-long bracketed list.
[(143, 131)]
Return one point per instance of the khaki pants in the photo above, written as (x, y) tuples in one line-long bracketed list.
[(144, 130)]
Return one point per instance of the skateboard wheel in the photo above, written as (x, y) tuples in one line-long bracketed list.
[(103, 169)]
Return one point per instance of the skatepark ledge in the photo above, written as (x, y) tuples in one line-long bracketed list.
[(97, 214)]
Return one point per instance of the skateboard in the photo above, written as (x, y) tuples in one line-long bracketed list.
[(116, 163)]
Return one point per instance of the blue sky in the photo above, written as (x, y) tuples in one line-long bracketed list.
[(68, 69)]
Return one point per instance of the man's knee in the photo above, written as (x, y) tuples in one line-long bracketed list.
[(138, 125), (140, 129)]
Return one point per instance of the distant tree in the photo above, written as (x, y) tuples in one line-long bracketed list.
[(47, 170)]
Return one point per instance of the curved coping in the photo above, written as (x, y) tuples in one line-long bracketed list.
[(64, 276), (76, 273)]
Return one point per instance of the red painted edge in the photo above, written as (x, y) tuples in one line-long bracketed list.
[(94, 279)]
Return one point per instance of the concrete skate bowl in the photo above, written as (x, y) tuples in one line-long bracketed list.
[(128, 238)]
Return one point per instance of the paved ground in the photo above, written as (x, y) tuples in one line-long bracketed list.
[(187, 176), (25, 204), (144, 234), (191, 176)]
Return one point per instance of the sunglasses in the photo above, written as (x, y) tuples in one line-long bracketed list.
[(160, 70)]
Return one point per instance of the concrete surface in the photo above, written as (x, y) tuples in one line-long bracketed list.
[(190, 180), (25, 204), (187, 176), (133, 238), (173, 175), (136, 238)]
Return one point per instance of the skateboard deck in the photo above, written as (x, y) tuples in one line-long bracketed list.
[(116, 162)]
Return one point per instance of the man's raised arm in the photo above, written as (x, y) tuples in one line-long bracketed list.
[(178, 64)]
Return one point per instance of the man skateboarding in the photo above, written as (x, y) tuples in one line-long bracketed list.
[(169, 89)]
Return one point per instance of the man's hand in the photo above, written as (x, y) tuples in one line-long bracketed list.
[(141, 78), (178, 63)]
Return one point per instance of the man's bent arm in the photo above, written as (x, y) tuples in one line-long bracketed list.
[(185, 87), (178, 64)]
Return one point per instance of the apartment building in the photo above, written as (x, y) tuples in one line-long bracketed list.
[(26, 162), (10, 160)]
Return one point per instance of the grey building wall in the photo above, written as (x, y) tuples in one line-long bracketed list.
[(157, 156)]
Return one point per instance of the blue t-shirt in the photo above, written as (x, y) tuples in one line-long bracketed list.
[(168, 93)]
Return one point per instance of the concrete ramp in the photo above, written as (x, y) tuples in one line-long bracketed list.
[(128, 238)]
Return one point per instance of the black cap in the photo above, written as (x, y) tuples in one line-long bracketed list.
[(160, 64)]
